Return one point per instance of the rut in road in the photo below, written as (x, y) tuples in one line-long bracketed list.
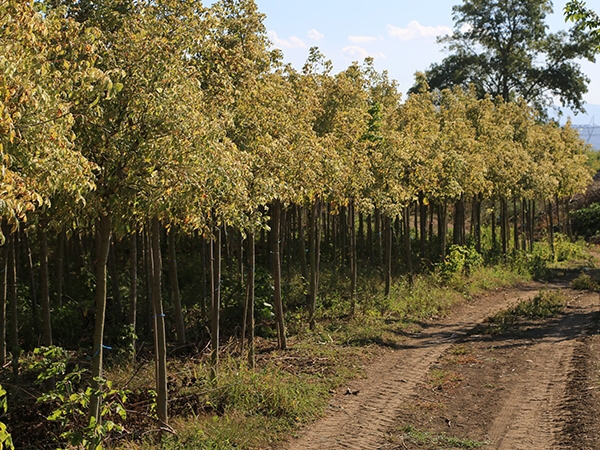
[(530, 416), (362, 421)]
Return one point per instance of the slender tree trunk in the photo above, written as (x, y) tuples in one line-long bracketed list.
[(360, 238), (34, 300), (568, 219), (423, 224), (443, 229), (515, 224), (494, 234), (13, 300), (477, 214), (459, 222), (314, 253), (503, 225), (3, 296), (388, 254), (60, 266), (407, 246), (159, 325), (353, 254), (369, 251), (378, 240), (276, 267), (215, 283), (532, 225), (104, 236), (302, 242), (44, 286), (174, 285), (559, 224), (250, 302), (204, 250), (114, 281), (133, 285), (551, 228)]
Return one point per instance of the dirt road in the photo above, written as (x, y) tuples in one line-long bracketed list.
[(445, 387)]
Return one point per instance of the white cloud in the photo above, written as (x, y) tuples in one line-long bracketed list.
[(315, 35), (361, 39), (358, 53), (466, 27), (291, 42), (415, 30)]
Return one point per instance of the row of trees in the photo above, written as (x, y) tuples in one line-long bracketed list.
[(122, 121)]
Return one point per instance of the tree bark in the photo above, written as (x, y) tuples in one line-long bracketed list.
[(215, 284), (60, 266), (104, 236), (407, 246), (133, 289), (44, 286), (250, 299), (114, 281), (551, 228), (13, 300), (353, 253), (443, 229), (3, 297), (159, 325), (314, 254), (174, 285), (388, 254), (276, 270)]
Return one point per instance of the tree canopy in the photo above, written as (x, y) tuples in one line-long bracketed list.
[(503, 48)]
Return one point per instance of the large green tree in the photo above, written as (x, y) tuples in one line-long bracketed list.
[(586, 19), (503, 48)]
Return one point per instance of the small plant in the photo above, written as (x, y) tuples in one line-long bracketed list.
[(585, 282), (444, 379), (441, 441), (5, 438), (460, 259), (544, 305), (71, 400)]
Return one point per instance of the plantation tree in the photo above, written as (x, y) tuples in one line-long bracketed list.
[(231, 61), (388, 155), (315, 82), (147, 136), (46, 61), (503, 48), (342, 125), (419, 128)]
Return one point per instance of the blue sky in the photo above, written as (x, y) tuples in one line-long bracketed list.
[(399, 34)]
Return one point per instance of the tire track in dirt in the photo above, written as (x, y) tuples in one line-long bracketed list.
[(362, 421), (529, 418)]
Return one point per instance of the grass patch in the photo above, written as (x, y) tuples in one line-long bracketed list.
[(585, 282), (544, 305), (444, 379), (427, 440)]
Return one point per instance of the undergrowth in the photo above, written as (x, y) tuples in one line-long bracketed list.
[(255, 408)]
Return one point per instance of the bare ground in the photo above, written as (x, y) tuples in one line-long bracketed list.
[(537, 387)]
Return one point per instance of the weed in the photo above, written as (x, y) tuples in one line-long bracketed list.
[(444, 379), (585, 282), (438, 441), (544, 305), (5, 438)]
